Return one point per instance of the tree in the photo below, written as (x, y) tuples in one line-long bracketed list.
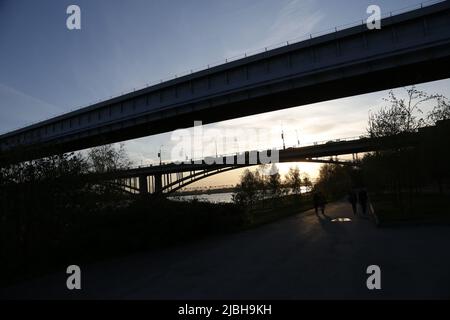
[(247, 191), (107, 158), (294, 180), (439, 112), (334, 180), (405, 169), (401, 115), (274, 183), (307, 181), (58, 166)]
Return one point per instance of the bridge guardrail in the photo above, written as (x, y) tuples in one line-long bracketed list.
[(311, 144)]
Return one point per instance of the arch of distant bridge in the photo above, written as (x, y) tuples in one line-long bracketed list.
[(168, 186)]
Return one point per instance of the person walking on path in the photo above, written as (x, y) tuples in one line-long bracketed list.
[(363, 198), (316, 201), (319, 202), (353, 201), (322, 202)]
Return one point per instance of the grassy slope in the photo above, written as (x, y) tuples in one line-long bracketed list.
[(414, 208), (114, 231)]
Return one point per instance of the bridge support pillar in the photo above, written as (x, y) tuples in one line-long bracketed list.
[(158, 183), (143, 185)]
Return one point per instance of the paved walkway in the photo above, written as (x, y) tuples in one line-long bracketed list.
[(301, 257)]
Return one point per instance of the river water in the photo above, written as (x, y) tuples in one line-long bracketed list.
[(226, 197), (213, 197)]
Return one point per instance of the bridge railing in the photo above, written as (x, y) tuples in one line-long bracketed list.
[(308, 144), (248, 53)]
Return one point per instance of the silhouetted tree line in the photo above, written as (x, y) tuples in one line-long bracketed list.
[(51, 216), (405, 115), (410, 170), (335, 180), (403, 172), (263, 196), (45, 202), (255, 186)]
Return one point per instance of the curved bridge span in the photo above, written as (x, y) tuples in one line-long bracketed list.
[(168, 178)]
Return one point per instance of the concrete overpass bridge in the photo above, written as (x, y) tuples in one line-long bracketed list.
[(410, 48), (171, 177)]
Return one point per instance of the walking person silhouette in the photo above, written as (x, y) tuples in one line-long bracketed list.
[(353, 199), (363, 198), (319, 203)]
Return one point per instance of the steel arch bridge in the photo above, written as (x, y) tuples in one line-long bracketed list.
[(172, 182), (168, 178)]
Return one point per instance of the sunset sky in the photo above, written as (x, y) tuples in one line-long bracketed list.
[(48, 70)]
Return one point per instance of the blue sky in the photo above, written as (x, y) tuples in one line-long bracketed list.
[(47, 69)]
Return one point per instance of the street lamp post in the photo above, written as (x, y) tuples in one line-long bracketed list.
[(298, 140), (160, 155)]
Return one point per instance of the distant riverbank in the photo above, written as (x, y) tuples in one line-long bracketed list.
[(226, 197), (217, 197)]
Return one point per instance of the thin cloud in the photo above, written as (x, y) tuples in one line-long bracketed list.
[(295, 19), (26, 108)]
